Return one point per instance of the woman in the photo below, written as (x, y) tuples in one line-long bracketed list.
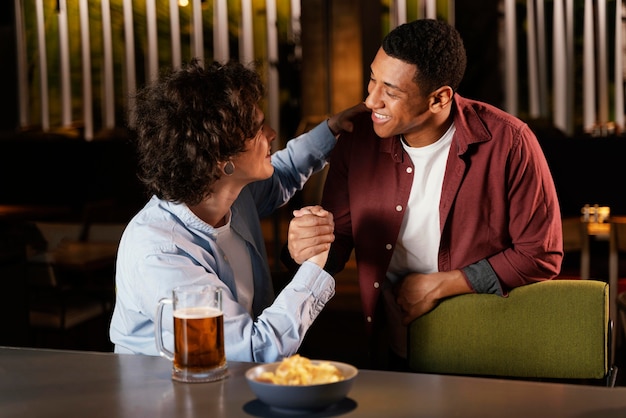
[(204, 154)]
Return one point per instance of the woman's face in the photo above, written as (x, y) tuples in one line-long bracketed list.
[(254, 162)]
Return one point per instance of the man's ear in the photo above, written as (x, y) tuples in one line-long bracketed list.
[(441, 98)]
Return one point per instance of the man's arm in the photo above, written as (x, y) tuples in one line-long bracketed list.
[(419, 293)]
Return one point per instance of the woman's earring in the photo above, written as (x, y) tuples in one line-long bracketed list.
[(229, 168)]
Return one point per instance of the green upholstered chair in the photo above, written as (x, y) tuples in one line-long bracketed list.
[(556, 330)]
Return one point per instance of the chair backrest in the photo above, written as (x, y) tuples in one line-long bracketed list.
[(572, 233), (556, 329), (621, 315), (618, 232), (104, 232), (55, 233), (14, 308), (576, 244), (617, 282)]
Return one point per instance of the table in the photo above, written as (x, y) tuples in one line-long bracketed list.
[(81, 256), (29, 212), (599, 230), (84, 258), (79, 286), (37, 383), (606, 231)]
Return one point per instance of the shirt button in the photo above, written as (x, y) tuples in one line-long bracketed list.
[(399, 208), (369, 319), (409, 170), (376, 285), (389, 246)]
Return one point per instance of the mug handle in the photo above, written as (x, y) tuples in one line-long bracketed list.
[(158, 330)]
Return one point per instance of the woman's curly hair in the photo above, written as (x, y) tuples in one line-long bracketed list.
[(434, 47), (189, 121)]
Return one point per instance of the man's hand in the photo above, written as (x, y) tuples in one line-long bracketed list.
[(342, 121), (310, 235), (418, 293)]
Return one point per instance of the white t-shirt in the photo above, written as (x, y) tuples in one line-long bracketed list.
[(417, 247), (236, 254)]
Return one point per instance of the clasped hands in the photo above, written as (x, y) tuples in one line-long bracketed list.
[(311, 233)]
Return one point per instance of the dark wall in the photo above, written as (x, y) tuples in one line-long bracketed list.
[(70, 172), (588, 170), (61, 171), (8, 69), (54, 170), (482, 80)]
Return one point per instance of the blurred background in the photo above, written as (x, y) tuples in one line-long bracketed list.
[(70, 68)]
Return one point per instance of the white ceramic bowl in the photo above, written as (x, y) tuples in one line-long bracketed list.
[(302, 397)]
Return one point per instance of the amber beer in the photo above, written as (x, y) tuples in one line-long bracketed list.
[(198, 339), (199, 354)]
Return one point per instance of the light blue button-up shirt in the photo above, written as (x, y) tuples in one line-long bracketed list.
[(165, 245)]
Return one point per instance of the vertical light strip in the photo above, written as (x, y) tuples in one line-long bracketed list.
[(175, 34), (511, 57), (569, 67), (22, 84), (558, 66), (400, 12), (296, 28), (533, 70), (64, 58), (542, 59), (431, 9), (603, 85), (43, 66), (153, 51), (220, 31), (246, 44), (393, 15), (272, 66), (589, 73), (451, 12), (107, 47), (619, 69), (85, 50), (129, 62), (197, 38)]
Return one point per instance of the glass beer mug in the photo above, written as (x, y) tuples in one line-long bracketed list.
[(199, 354)]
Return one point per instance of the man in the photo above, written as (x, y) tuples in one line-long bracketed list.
[(437, 194)]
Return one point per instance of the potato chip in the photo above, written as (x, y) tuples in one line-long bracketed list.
[(298, 370)]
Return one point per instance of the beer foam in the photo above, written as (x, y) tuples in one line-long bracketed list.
[(197, 312)]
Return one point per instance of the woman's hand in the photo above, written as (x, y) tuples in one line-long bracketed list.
[(342, 121), (311, 231)]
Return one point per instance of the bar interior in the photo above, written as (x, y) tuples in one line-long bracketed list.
[(68, 182)]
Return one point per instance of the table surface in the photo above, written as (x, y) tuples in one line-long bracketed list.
[(79, 255), (50, 383), (600, 230), (29, 212)]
